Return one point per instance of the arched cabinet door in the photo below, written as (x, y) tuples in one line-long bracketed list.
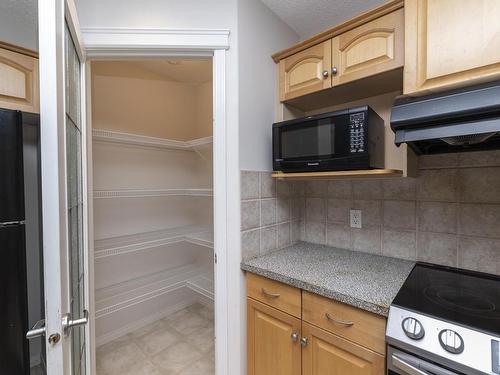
[(18, 82), (372, 48), (306, 72)]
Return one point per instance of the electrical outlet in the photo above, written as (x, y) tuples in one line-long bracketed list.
[(355, 218)]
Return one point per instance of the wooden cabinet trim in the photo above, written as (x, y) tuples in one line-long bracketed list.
[(295, 324), (289, 300), (370, 15), (375, 361), (18, 49)]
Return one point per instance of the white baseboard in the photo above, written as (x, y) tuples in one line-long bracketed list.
[(132, 326)]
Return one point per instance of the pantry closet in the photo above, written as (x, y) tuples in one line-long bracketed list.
[(153, 211)]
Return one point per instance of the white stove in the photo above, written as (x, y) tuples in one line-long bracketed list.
[(445, 321)]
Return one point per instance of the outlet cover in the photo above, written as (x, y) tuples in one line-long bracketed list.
[(355, 218)]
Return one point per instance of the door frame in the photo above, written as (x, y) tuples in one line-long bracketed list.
[(137, 43)]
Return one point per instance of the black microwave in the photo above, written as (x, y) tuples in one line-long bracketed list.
[(348, 139)]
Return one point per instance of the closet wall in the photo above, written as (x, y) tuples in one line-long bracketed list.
[(152, 164)]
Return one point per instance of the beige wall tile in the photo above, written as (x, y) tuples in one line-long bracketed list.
[(437, 185), (400, 188), (267, 185), (298, 231), (366, 239), (268, 239), (340, 189), (481, 220), (370, 211), (479, 185), (298, 188), (367, 189), (315, 232), (338, 210), (399, 214), (284, 238), (283, 189), (250, 185), (438, 161), (479, 254), (479, 158), (250, 214), (283, 209), (317, 188), (399, 244), (315, 209), (250, 244), (437, 248), (437, 217), (338, 235), (267, 211), (298, 208)]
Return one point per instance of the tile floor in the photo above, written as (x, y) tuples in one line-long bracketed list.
[(180, 344)]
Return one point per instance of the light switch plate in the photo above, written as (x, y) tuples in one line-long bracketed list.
[(356, 219)]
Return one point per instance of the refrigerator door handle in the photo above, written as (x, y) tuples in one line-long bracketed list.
[(37, 330), (11, 223)]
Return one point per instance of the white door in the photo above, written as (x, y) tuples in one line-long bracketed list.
[(64, 205)]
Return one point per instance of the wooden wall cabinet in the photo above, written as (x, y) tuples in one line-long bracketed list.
[(309, 344), (370, 49), (306, 72), (363, 47), (450, 43), (19, 87)]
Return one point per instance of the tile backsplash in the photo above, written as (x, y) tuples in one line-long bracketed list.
[(449, 214)]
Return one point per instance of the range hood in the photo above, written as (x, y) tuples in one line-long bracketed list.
[(456, 121)]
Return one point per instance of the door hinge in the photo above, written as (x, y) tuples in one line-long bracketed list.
[(215, 258)]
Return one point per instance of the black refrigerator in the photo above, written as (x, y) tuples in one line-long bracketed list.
[(14, 347)]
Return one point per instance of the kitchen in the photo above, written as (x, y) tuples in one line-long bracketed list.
[(359, 234)]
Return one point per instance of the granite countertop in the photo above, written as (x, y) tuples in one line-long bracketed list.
[(369, 282)]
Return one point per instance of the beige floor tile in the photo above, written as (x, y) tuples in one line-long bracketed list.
[(176, 357), (204, 366), (203, 340), (118, 356), (156, 340)]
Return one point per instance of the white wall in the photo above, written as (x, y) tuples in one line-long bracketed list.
[(18, 23), (260, 34)]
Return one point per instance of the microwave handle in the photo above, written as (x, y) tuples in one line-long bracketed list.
[(412, 369)]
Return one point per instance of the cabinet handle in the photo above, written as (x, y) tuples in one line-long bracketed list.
[(325, 73), (331, 319), (303, 341), (295, 336), (334, 70), (271, 295)]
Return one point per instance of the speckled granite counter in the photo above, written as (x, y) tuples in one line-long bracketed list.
[(366, 281)]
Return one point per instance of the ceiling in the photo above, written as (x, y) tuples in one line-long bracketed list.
[(24, 11), (309, 17), (194, 71)]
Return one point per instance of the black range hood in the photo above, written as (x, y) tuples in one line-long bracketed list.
[(455, 121)]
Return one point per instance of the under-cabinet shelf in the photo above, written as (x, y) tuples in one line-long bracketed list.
[(369, 173), (133, 243), (111, 136), (113, 298), (145, 193)]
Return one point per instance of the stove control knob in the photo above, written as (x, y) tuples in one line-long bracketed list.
[(413, 328), (451, 341)]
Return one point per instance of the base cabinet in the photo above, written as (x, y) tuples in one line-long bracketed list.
[(327, 354), (273, 341)]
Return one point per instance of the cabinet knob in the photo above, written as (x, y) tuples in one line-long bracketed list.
[(295, 336), (325, 73), (303, 341), (334, 70)]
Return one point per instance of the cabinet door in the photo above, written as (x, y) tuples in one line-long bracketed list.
[(272, 347), (18, 82), (329, 354), (306, 71), (450, 43), (372, 48)]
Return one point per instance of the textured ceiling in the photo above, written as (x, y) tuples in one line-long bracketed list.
[(23, 11), (309, 17)]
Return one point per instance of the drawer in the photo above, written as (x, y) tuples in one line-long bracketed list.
[(273, 293), (362, 327)]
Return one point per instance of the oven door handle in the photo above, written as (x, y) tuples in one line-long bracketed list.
[(406, 367), (412, 369)]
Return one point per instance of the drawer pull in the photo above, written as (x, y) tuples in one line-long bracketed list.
[(295, 337), (270, 295), (343, 322)]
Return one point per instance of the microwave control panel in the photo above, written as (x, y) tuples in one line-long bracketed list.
[(357, 132)]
